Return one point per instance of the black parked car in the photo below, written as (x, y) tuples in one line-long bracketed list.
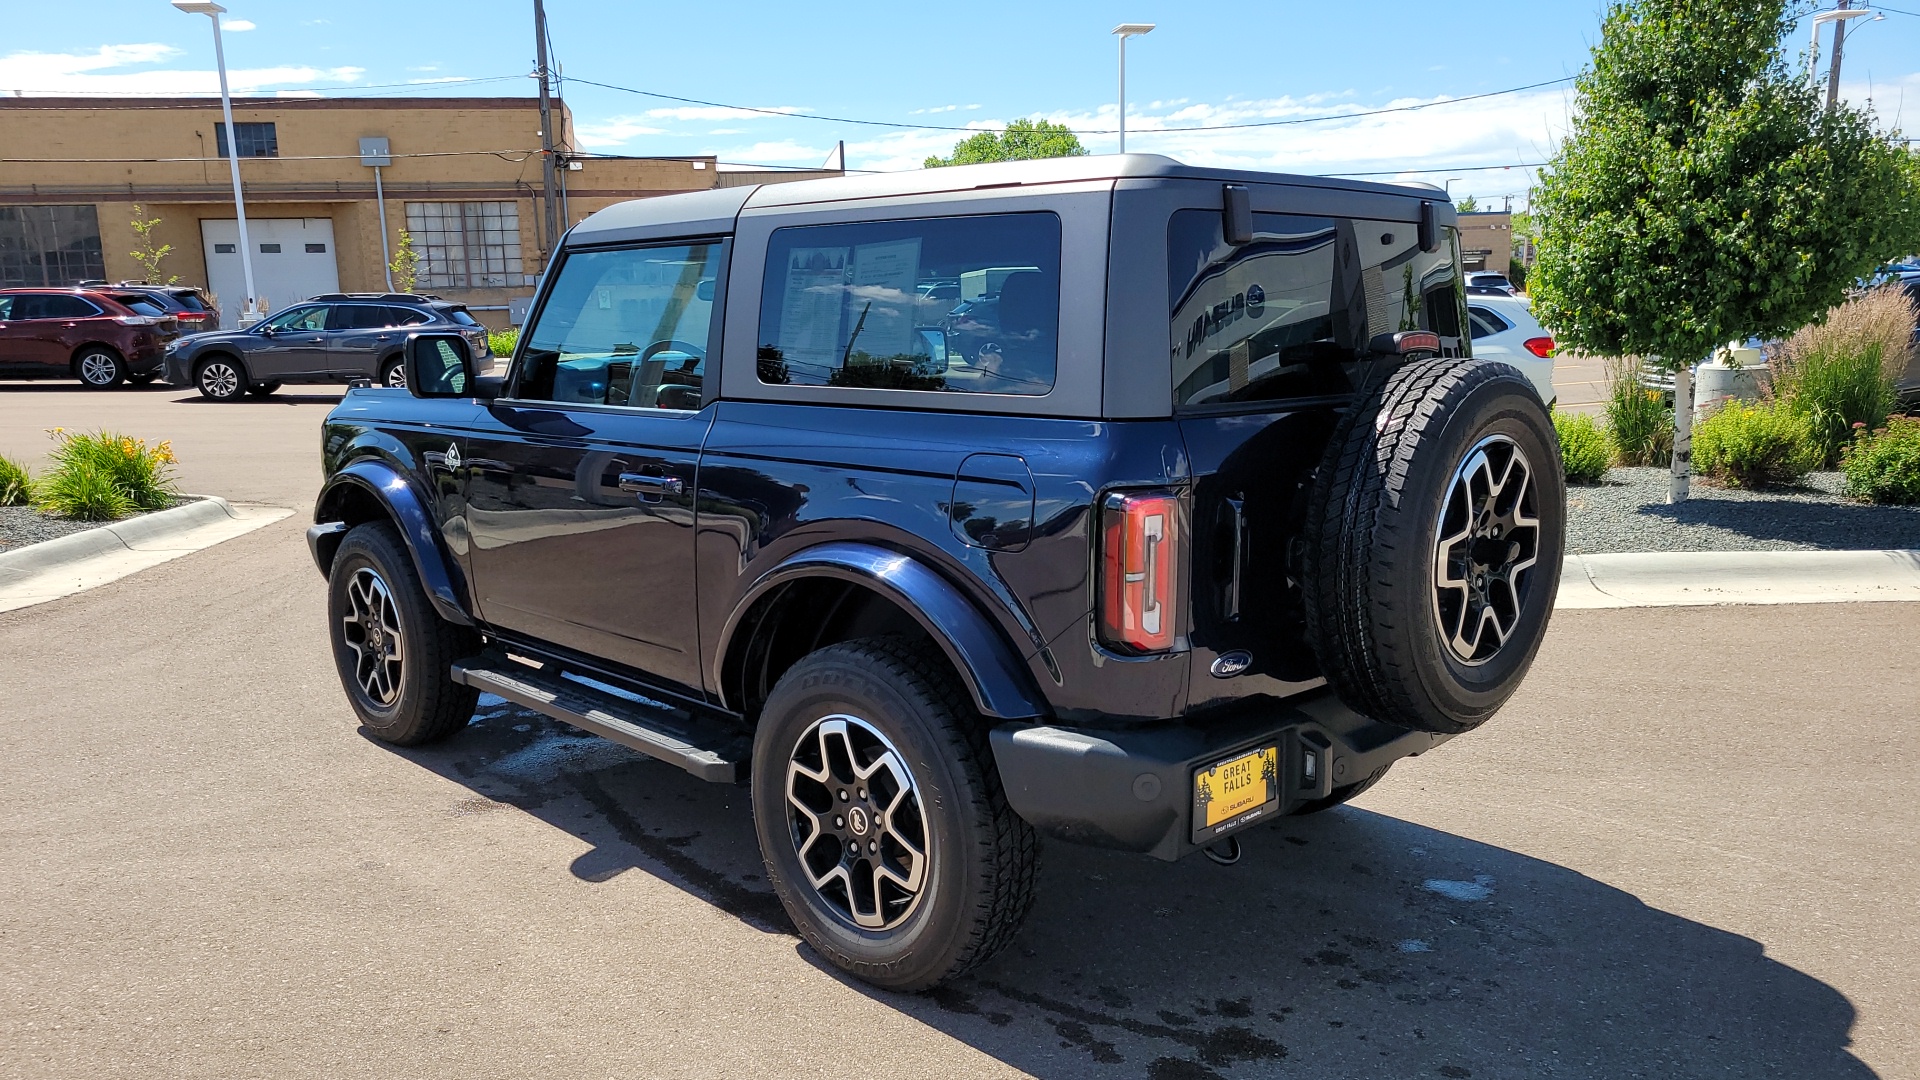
[(331, 338), (193, 309), (1204, 516)]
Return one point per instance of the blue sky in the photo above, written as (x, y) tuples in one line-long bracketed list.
[(958, 64)]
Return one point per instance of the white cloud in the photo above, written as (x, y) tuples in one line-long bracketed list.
[(103, 72), (238, 26), (783, 152), (613, 131)]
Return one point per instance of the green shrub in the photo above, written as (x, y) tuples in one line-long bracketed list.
[(144, 474), (1884, 466), (16, 485), (82, 490), (503, 341), (1584, 451), (1638, 419), (1754, 445), (1841, 372)]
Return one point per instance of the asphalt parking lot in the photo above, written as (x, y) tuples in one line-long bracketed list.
[(1687, 848)]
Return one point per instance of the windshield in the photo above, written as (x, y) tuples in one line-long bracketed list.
[(1306, 309)]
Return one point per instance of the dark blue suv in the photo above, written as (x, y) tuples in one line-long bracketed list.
[(1103, 499), (330, 338)]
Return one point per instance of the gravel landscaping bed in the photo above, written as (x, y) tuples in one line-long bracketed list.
[(23, 525), (1628, 511)]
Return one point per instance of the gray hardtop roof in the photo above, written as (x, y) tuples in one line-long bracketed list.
[(713, 212)]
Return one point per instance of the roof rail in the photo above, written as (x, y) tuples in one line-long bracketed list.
[(392, 297)]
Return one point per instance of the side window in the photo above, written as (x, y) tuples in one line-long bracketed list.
[(1485, 323), (300, 318), (141, 305), (400, 316), (6, 307), (966, 304), (357, 317), (67, 307), (626, 327), (1305, 309)]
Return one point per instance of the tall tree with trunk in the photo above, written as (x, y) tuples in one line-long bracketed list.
[(1703, 194)]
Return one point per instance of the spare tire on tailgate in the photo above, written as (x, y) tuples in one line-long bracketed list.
[(1434, 534)]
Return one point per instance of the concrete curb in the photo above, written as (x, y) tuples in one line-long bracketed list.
[(69, 564), (1691, 578)]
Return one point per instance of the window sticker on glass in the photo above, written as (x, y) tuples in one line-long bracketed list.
[(967, 305)]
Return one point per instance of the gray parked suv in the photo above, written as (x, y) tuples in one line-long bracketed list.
[(334, 337)]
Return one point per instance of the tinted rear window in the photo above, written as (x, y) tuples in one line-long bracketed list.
[(142, 305), (1303, 310), (964, 304), (460, 316), (189, 300)]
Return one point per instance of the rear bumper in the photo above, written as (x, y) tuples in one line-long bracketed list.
[(1133, 790)]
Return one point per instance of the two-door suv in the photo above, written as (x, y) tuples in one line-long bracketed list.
[(330, 338), (1102, 498)]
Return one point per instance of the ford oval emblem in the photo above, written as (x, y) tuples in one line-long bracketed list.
[(1231, 664)]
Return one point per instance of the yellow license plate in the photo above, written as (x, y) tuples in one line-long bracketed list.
[(1233, 791)]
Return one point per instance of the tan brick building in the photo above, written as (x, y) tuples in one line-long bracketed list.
[(465, 182), (1486, 240)]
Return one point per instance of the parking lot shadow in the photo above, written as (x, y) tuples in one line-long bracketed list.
[(1348, 944)]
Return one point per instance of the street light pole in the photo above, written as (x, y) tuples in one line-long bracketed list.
[(1838, 16), (213, 11), (1123, 32)]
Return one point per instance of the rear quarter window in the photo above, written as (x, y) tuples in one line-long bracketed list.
[(1305, 309), (961, 304)]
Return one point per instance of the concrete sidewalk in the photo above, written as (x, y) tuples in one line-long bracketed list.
[(1687, 578)]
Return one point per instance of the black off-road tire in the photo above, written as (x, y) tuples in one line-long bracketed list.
[(1373, 533), (982, 858), (99, 367), (426, 704), (1339, 795)]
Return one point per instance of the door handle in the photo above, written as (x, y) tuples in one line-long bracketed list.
[(652, 485)]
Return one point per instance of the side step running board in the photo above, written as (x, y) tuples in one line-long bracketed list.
[(709, 751)]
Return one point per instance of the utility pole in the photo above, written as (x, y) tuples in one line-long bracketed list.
[(551, 236), (1839, 39)]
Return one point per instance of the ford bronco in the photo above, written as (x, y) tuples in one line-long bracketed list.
[(1104, 498)]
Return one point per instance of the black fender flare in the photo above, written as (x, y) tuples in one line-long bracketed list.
[(389, 486), (992, 671)]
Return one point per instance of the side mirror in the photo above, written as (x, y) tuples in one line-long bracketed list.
[(438, 365), (704, 290), (267, 331)]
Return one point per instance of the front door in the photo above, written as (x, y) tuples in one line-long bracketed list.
[(581, 480), (291, 345)]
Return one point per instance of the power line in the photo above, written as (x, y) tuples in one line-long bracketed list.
[(504, 155), (1083, 131)]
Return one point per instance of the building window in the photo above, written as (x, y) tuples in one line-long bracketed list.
[(466, 245), (256, 140), (49, 245)]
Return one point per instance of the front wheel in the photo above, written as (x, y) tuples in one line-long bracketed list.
[(220, 379), (394, 652), (881, 818)]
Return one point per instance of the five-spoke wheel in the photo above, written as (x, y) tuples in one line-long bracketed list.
[(857, 822), (1489, 538)]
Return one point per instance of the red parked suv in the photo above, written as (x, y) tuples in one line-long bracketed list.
[(102, 337)]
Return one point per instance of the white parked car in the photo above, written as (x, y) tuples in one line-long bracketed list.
[(1504, 329)]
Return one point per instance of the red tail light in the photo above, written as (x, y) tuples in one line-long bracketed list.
[(1138, 561), (1541, 347)]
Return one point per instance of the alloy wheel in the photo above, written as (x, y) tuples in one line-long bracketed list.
[(371, 628), (857, 823), (397, 376), (219, 379), (98, 369), (1489, 540)]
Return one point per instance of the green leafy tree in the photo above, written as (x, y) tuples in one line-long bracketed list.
[(406, 263), (1022, 141), (1703, 194), (1467, 204), (149, 254)]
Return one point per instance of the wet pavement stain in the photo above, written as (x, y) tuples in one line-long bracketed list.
[(1216, 1046)]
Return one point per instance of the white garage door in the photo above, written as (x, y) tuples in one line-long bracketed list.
[(293, 258)]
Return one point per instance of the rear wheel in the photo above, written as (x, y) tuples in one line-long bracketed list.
[(393, 373), (99, 368), (881, 818), (394, 652), (1436, 527), (220, 379)]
